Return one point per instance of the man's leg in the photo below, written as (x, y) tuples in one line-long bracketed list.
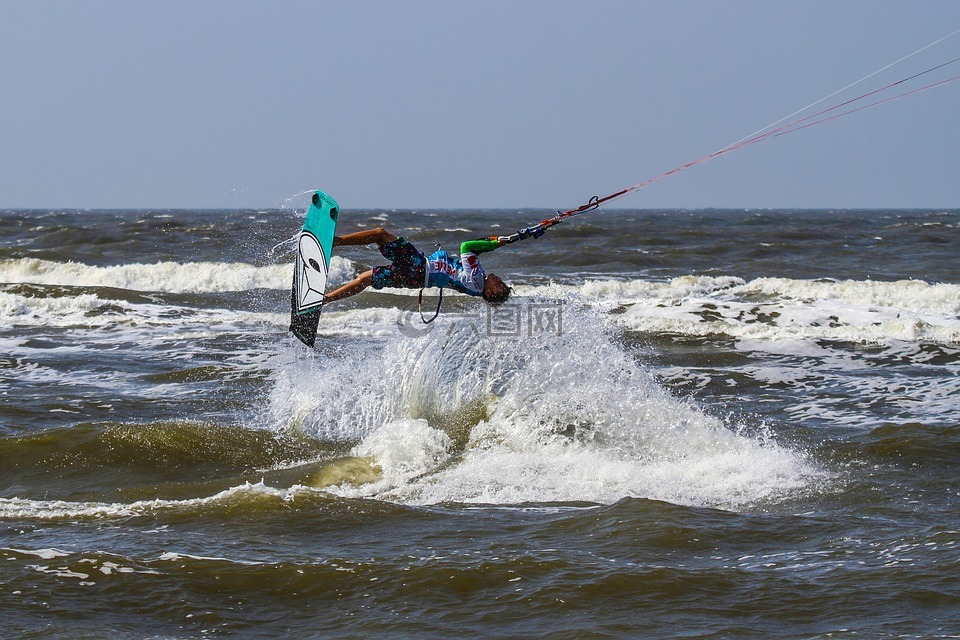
[(379, 236), (352, 288)]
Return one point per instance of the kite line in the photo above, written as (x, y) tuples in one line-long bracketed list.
[(767, 133)]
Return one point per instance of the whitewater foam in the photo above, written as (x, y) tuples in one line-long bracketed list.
[(23, 508), (565, 418), (777, 309), (91, 312), (770, 309), (166, 277)]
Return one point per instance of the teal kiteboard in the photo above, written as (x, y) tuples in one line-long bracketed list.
[(314, 249)]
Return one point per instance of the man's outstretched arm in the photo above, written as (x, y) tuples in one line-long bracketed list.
[(479, 246)]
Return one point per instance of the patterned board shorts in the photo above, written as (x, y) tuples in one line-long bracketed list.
[(407, 268)]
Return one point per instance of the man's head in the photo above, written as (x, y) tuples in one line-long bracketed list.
[(495, 290)]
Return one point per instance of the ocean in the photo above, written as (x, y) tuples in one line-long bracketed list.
[(684, 424)]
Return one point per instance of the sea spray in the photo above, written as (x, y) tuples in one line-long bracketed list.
[(568, 416)]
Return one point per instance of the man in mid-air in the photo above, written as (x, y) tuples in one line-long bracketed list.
[(409, 268)]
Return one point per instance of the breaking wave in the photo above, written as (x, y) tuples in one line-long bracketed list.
[(169, 277)]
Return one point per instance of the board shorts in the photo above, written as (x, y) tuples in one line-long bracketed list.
[(407, 269)]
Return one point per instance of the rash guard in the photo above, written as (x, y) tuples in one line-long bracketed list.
[(464, 273)]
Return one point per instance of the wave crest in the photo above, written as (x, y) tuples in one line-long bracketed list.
[(166, 277)]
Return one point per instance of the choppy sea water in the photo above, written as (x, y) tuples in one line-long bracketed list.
[(711, 423)]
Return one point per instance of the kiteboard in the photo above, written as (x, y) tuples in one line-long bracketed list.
[(314, 249)]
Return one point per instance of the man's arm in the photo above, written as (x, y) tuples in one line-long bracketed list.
[(479, 246)]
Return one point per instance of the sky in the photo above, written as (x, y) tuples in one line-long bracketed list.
[(470, 104)]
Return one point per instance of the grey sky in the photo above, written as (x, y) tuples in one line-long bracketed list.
[(499, 103)]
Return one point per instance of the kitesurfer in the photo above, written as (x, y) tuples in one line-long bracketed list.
[(409, 268)]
